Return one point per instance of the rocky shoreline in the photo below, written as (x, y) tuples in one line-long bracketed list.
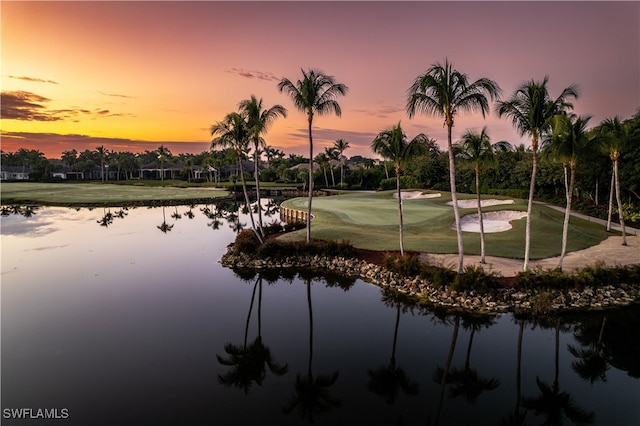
[(537, 301)]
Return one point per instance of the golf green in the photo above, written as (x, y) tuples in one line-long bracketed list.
[(370, 220)]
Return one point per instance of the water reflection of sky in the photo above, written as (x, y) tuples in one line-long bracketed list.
[(124, 323)]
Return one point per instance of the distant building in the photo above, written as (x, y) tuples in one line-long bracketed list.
[(14, 173)]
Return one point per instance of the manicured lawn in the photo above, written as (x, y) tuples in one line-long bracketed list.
[(370, 220), (95, 193)]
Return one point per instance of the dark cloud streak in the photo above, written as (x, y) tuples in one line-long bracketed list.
[(33, 79), (260, 75), (28, 106)]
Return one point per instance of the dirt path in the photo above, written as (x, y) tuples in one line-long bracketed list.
[(610, 251)]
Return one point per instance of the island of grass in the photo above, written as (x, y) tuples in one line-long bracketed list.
[(370, 221), (347, 226)]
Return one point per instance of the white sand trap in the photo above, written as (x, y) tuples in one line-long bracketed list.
[(472, 204), (414, 195), (493, 221)]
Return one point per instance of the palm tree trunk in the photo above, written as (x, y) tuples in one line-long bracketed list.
[(341, 171), (613, 179), (326, 181), (481, 221), (618, 199), (256, 174), (246, 199), (532, 187), (310, 180), (333, 177), (454, 199), (400, 227), (567, 212)]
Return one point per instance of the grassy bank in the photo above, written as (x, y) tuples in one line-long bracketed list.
[(370, 220), (99, 193)]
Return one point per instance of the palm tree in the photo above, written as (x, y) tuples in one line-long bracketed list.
[(393, 145), (477, 149), (444, 91), (258, 121), (616, 136), (332, 155), (341, 146), (530, 110), (234, 133), (567, 143), (323, 161), (316, 93), (163, 153), (102, 155)]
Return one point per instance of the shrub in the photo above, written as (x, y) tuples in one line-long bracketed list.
[(246, 242), (273, 228), (544, 279), (405, 182), (475, 278), (407, 265), (437, 276)]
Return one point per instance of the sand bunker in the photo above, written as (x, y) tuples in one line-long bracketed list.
[(472, 204), (493, 221), (414, 195)]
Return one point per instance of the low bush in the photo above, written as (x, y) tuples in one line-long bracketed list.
[(475, 278), (407, 265), (246, 242), (282, 249), (405, 182), (544, 279), (437, 276)]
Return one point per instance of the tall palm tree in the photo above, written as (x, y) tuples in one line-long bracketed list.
[(530, 110), (316, 93), (323, 161), (102, 155), (332, 155), (568, 141), (258, 121), (234, 133), (444, 91), (392, 144), (341, 146), (616, 135), (477, 149), (162, 153)]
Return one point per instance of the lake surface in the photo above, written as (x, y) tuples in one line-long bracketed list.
[(125, 317)]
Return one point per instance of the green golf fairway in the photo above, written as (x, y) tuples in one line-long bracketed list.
[(370, 221), (96, 193)]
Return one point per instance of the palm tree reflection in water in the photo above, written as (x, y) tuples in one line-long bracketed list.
[(311, 394), (389, 380), (249, 362)]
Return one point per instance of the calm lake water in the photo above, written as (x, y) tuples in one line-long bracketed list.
[(125, 317)]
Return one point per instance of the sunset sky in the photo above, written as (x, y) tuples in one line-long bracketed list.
[(134, 75)]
